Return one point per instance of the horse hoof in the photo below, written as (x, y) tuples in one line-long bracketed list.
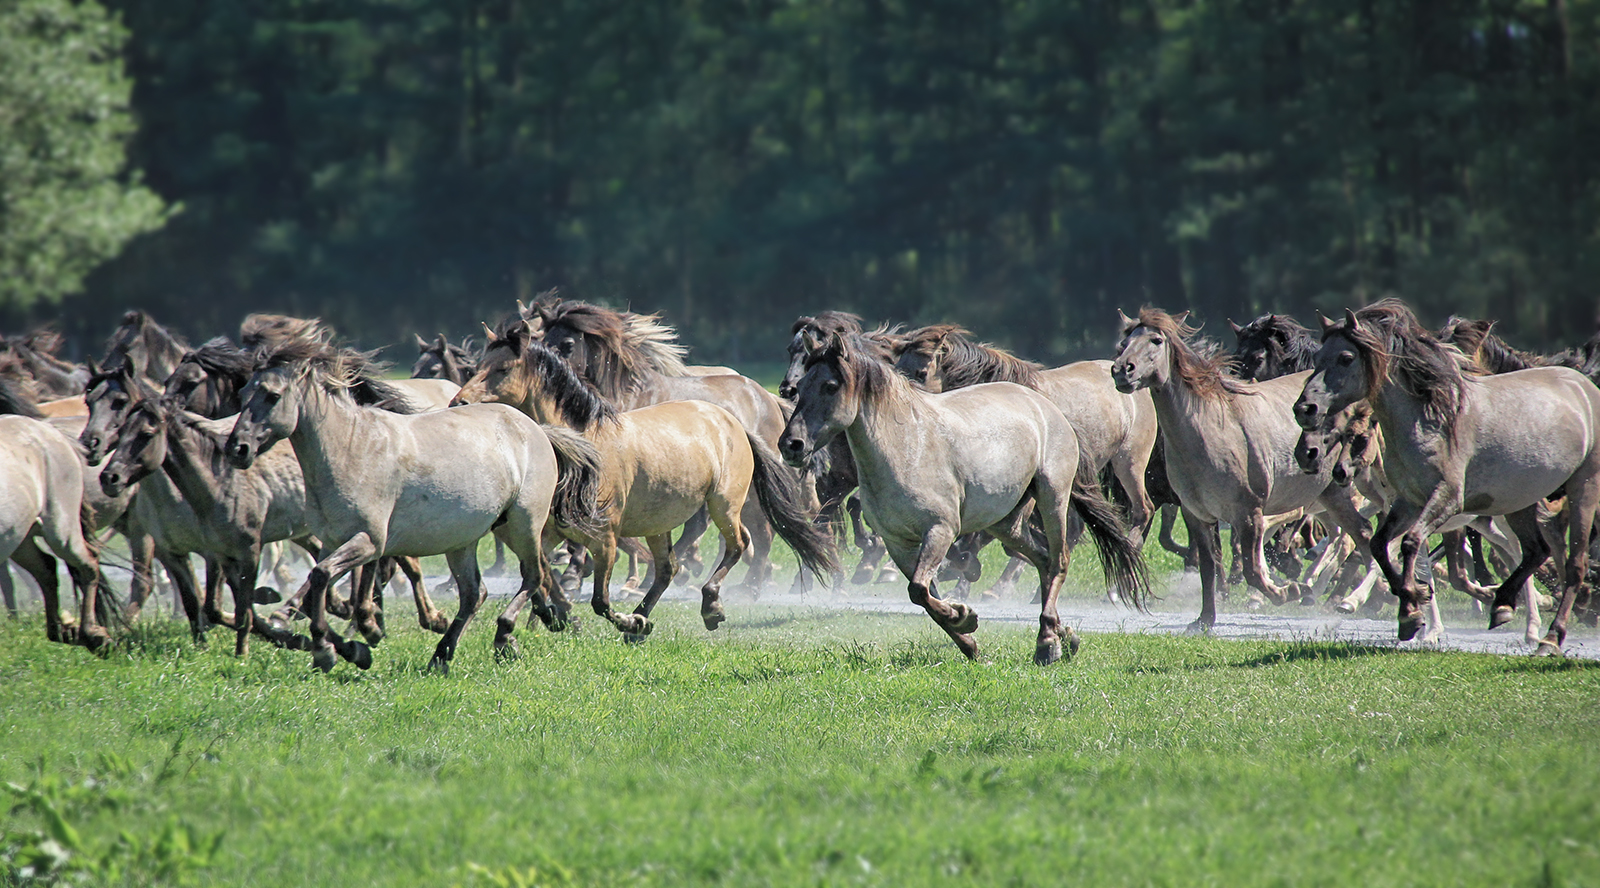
[(1047, 652), (1547, 648), (1410, 627), (1500, 616), (1198, 627), (713, 616), (373, 633), (267, 595), (298, 642), (966, 619), (438, 626), (506, 651), (439, 666), (323, 656), (360, 655), (1256, 601)]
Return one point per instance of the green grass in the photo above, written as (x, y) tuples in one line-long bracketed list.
[(802, 747)]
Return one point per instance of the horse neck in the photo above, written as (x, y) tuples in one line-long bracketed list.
[(330, 435), (1396, 411), (885, 432), (190, 469), (1186, 414)]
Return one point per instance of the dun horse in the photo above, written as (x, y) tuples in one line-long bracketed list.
[(1457, 445), (382, 483), (659, 465), (934, 466)]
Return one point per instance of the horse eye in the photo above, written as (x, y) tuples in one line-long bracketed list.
[(830, 386), (271, 398), (1346, 359), (1155, 340)]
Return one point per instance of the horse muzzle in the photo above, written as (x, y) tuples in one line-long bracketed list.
[(794, 451)]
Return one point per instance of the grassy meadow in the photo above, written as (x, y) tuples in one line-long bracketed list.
[(796, 746)]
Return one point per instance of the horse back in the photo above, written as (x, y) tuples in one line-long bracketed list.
[(1105, 419), (661, 462), (757, 409), (1521, 435)]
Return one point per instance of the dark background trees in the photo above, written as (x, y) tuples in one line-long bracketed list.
[(1021, 167)]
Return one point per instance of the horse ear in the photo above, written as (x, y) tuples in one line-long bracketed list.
[(1327, 322), (442, 343), (523, 310), (94, 368), (1236, 328), (422, 344), (489, 333), (1350, 319), (1127, 322)]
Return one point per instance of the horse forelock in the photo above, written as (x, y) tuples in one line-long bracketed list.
[(1205, 375), (1391, 342), (221, 357), (309, 354)]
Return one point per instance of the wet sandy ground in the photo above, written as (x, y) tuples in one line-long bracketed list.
[(1171, 615)]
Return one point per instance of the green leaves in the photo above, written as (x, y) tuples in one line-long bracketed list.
[(66, 204)]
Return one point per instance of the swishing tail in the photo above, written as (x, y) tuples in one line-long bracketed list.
[(1121, 560), (780, 496), (576, 503)]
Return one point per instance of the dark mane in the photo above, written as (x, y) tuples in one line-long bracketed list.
[(1393, 344), (963, 362), (613, 362), (221, 358), (1286, 347), (17, 397), (151, 349), (579, 403), (1207, 376), (827, 322), (306, 346)]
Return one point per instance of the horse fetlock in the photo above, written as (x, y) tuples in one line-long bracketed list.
[(711, 612), (323, 656), (505, 650), (965, 619)]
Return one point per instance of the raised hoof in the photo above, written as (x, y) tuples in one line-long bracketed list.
[(1198, 627), (506, 651), (360, 655), (559, 621), (634, 627), (1547, 648), (1073, 643), (267, 595), (1047, 652), (713, 616), (1500, 616), (439, 666), (372, 632), (323, 656), (966, 619), (438, 625), (97, 641), (1344, 606)]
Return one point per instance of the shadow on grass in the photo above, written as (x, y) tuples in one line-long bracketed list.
[(1319, 652)]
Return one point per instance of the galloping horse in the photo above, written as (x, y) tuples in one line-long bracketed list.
[(1229, 449), (1113, 429), (1271, 346), (659, 465), (635, 366), (41, 498), (1455, 444), (935, 466), (382, 483)]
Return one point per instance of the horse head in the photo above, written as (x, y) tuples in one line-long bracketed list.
[(269, 412), (1145, 355), (826, 400), (140, 448), (1339, 374), (112, 392)]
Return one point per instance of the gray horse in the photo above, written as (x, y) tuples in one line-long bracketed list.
[(1458, 445)]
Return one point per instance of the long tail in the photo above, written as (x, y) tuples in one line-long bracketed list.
[(780, 497), (1121, 560), (577, 499)]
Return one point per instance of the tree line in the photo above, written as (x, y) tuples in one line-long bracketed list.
[(1024, 168)]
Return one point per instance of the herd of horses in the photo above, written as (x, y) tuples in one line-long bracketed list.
[(575, 431)]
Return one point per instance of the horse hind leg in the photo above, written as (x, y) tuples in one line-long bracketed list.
[(1052, 566), (1583, 500), (42, 567), (735, 539), (469, 584)]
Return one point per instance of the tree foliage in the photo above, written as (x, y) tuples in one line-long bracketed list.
[(1021, 166), (66, 204)]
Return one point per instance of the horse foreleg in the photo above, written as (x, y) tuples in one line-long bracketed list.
[(1252, 550), (1443, 503), (661, 557), (142, 552), (956, 619), (538, 585), (42, 567), (1202, 535), (325, 643), (1169, 519)]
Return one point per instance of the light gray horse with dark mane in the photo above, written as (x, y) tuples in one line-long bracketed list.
[(382, 483), (991, 457), (1457, 444), (1229, 449)]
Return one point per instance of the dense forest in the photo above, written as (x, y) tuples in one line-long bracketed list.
[(1024, 168)]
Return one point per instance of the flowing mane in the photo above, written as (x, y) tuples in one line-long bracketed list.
[(219, 357), (151, 349), (1476, 339), (622, 349), (17, 394), (827, 322), (1206, 375), (307, 347), (1392, 343), (864, 367), (963, 362), (578, 402), (1287, 347)]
